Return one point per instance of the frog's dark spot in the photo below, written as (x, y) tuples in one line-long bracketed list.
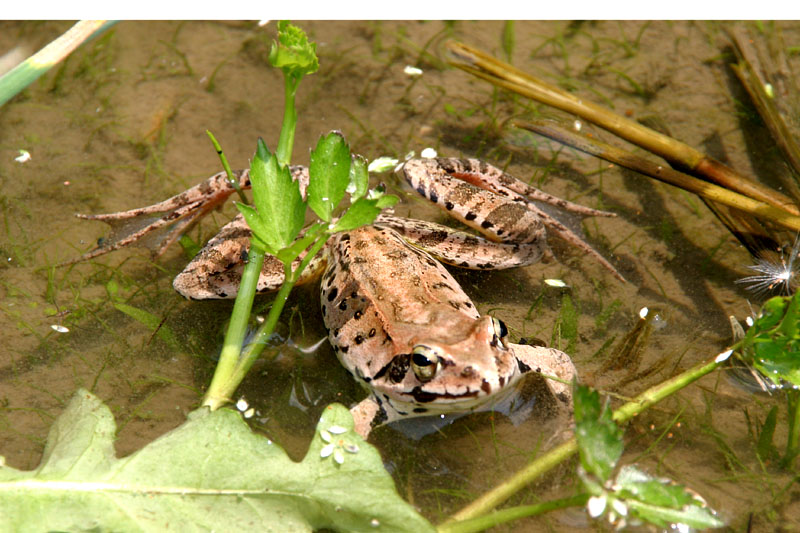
[(502, 380), (357, 315), (353, 294), (486, 387), (464, 263), (431, 262), (359, 339), (522, 366), (396, 368), (324, 310), (344, 237), (433, 196), (467, 304), (344, 348), (331, 295), (343, 305), (371, 332), (454, 305), (380, 417), (486, 224), (421, 190), (420, 409), (499, 232), (486, 266), (471, 216), (336, 332), (222, 294), (449, 206)]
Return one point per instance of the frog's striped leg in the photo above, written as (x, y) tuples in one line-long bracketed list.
[(158, 226), (463, 249), (494, 203), (215, 272)]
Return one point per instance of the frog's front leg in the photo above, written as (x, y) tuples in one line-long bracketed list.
[(548, 362), (159, 225)]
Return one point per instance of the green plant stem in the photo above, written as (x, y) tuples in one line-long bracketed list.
[(228, 172), (512, 513), (557, 455), (220, 392), (286, 140), (793, 440)]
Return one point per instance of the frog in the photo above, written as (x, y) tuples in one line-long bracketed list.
[(396, 318)]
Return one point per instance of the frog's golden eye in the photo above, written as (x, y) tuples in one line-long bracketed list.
[(499, 333), (425, 362)]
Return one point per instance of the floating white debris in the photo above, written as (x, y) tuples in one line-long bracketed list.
[(749, 321), (412, 71), (769, 90), (249, 413), (382, 164), (556, 283), (59, 328), (643, 312), (428, 153), (23, 157), (596, 505), (374, 522), (619, 507), (242, 405), (577, 125), (723, 356)]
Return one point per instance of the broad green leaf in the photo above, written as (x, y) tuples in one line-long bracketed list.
[(363, 212), (279, 205), (329, 174), (661, 502), (359, 178), (293, 53), (210, 474), (152, 322), (599, 438)]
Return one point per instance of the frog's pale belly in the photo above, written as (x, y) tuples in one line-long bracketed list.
[(403, 326)]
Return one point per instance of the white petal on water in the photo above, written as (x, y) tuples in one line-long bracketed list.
[(428, 153), (325, 435), (351, 448), (555, 283), (412, 71), (723, 356), (326, 450), (242, 405), (59, 328), (338, 456), (643, 312), (23, 157), (596, 505), (337, 430)]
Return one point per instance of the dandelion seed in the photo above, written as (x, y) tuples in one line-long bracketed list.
[(774, 275)]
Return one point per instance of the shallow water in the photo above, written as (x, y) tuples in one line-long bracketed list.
[(122, 124)]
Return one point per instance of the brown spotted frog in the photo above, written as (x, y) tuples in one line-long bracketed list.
[(396, 318)]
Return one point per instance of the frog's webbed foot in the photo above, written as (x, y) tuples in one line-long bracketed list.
[(549, 362), (366, 415), (158, 226)]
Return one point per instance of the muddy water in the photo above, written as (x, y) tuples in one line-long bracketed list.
[(122, 124)]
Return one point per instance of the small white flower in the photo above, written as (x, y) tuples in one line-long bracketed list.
[(412, 71), (23, 157), (428, 153)]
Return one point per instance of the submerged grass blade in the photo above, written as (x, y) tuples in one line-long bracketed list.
[(29, 70)]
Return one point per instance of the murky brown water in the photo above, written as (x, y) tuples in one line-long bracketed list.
[(122, 124)]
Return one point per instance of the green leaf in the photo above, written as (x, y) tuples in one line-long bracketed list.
[(359, 178), (293, 53), (329, 174), (279, 205), (152, 322), (363, 212), (661, 502), (211, 473), (599, 438)]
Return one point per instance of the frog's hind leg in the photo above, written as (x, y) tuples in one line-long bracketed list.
[(215, 272), (462, 249), (462, 187)]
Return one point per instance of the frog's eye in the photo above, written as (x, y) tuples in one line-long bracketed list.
[(499, 333), (425, 362)]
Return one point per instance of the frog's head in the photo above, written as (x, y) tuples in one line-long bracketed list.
[(458, 373)]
